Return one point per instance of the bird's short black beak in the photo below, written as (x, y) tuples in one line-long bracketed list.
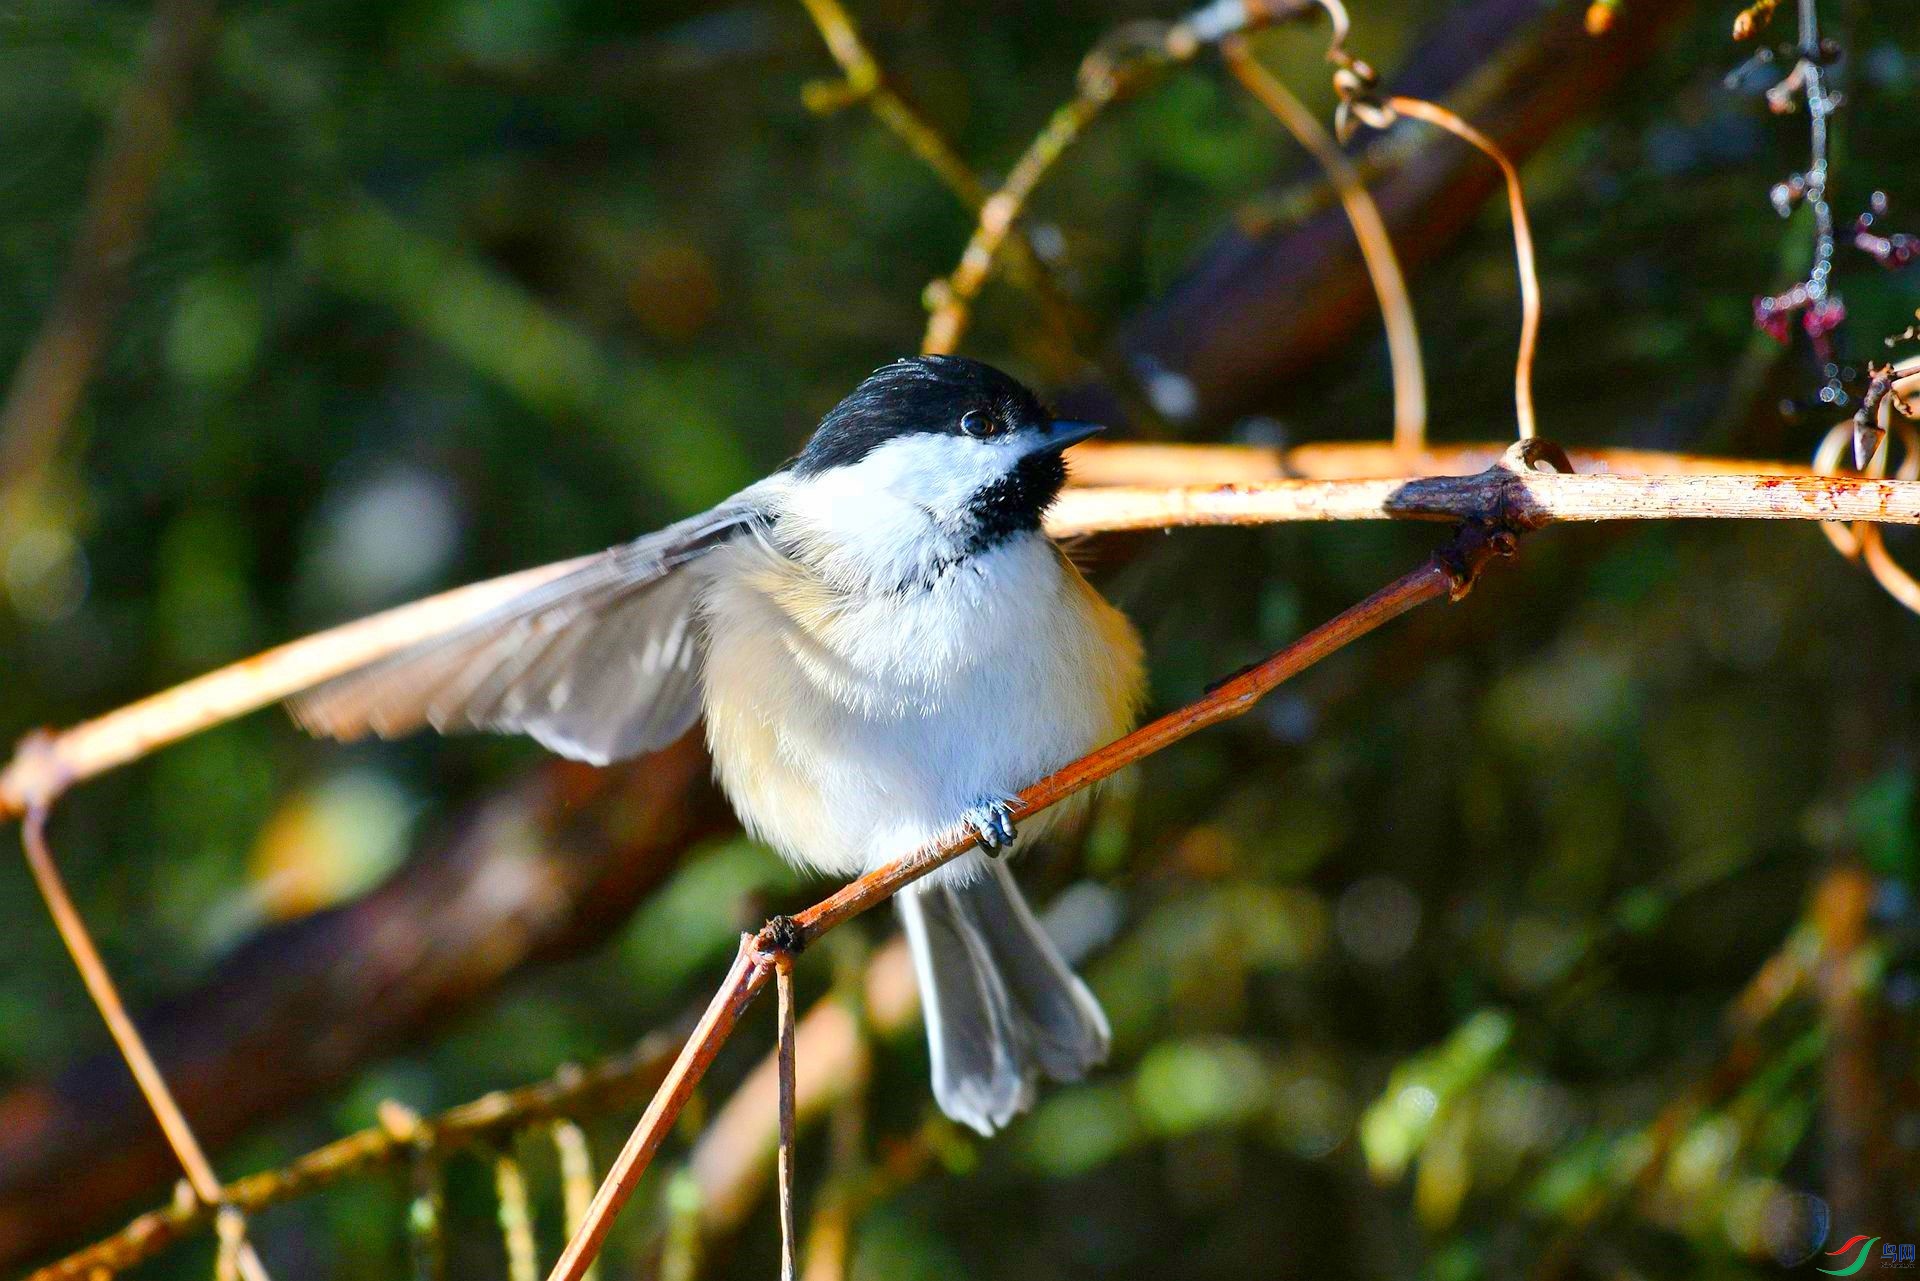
[(1062, 432)]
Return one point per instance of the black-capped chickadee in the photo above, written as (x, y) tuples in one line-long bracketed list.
[(886, 647)]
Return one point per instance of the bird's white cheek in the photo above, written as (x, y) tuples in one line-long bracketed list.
[(896, 512)]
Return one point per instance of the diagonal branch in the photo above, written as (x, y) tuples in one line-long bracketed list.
[(1450, 572)]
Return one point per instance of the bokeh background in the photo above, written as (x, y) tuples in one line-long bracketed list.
[(1570, 932)]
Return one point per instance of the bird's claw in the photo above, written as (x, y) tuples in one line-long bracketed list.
[(992, 822)]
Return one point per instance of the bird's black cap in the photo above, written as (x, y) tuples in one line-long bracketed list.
[(919, 394)]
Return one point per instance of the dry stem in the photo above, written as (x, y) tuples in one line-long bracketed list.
[(743, 982), (44, 767), (1435, 114), (576, 1175), (1116, 68), (516, 1216), (99, 984), (952, 297), (1376, 246), (783, 984)]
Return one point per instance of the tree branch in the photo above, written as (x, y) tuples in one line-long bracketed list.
[(1535, 500), (47, 764)]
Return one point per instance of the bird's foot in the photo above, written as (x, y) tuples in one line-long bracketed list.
[(992, 822)]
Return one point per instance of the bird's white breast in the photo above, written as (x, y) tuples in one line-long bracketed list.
[(851, 726)]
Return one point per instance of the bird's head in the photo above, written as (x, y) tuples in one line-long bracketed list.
[(939, 454)]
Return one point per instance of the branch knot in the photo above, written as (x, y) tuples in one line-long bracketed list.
[(782, 935)]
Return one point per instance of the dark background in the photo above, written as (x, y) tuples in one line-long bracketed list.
[(1433, 967)]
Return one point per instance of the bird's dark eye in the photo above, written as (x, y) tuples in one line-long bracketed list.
[(977, 423)]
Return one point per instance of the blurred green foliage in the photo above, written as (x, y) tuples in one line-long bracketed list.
[(1411, 960)]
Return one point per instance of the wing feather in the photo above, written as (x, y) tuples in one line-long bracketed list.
[(600, 664)]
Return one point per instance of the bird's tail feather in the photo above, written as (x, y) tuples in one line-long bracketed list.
[(1002, 1006)]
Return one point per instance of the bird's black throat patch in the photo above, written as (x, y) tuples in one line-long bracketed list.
[(1015, 503)]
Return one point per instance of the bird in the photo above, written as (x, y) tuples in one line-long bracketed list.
[(885, 647)]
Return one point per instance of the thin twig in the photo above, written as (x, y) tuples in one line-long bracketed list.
[(1449, 573), (231, 1230), (1114, 70), (743, 982), (1435, 114), (48, 383), (1811, 301), (1376, 246), (833, 1060), (867, 82), (106, 998), (952, 297), (737, 1152), (783, 986)]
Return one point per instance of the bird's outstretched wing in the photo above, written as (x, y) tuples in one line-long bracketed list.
[(598, 665)]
